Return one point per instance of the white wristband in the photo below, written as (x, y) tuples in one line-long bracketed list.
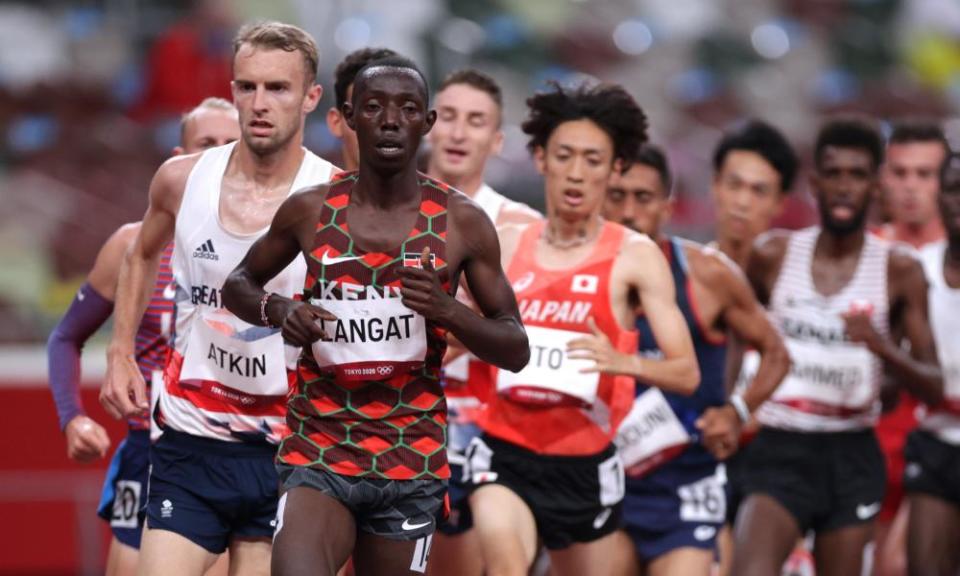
[(740, 407)]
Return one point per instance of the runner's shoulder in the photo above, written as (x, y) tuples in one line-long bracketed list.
[(708, 264), (770, 246)]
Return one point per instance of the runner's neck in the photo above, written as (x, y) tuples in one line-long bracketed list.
[(918, 235)]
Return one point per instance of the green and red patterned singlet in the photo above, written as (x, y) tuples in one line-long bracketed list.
[(369, 401)]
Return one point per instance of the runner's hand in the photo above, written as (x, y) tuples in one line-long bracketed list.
[(420, 290), (86, 440), (123, 393), (720, 430), (860, 329), (597, 347), (300, 326)]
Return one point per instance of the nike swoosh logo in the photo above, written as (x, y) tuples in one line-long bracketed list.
[(408, 526), (170, 291), (80, 295), (867, 511), (602, 518), (328, 260)]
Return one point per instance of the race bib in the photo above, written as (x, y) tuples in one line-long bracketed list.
[(371, 339), (551, 377), (704, 500), (126, 505), (828, 378), (226, 350), (651, 434)]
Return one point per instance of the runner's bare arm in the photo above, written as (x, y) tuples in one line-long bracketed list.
[(764, 263), (677, 371), (644, 268), (919, 368), (746, 319), (747, 323), (497, 336), (124, 392), (290, 231)]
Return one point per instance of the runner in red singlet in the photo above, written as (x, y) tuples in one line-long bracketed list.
[(364, 468), (915, 151), (343, 77), (546, 467), (212, 123)]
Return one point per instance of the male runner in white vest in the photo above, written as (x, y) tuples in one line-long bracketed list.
[(836, 293), (932, 473), (212, 483)]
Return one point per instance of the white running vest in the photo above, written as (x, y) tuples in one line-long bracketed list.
[(227, 379), (833, 384), (944, 308)]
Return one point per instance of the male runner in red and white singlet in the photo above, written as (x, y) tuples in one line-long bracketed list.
[(364, 467), (910, 183), (836, 293), (545, 468), (467, 133), (932, 472), (212, 481), (212, 123)]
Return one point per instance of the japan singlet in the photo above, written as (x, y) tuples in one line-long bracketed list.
[(661, 425), (369, 401), (833, 384), (550, 407), (226, 379), (152, 343), (943, 420)]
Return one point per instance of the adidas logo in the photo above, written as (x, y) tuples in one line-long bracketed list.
[(206, 251), (166, 509)]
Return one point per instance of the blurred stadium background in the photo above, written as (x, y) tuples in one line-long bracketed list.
[(91, 92)]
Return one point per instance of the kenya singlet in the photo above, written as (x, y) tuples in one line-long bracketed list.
[(152, 343), (369, 401), (226, 379), (943, 421), (833, 384), (549, 407), (661, 425)]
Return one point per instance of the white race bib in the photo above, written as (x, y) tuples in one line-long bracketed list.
[(371, 339), (648, 433), (227, 350), (838, 376), (551, 377)]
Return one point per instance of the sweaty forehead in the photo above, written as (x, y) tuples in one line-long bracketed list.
[(390, 79)]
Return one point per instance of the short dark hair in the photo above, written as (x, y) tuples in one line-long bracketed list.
[(609, 106), (918, 130), (856, 132), (398, 62), (950, 165), (352, 63), (764, 140), (475, 79), (653, 156)]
